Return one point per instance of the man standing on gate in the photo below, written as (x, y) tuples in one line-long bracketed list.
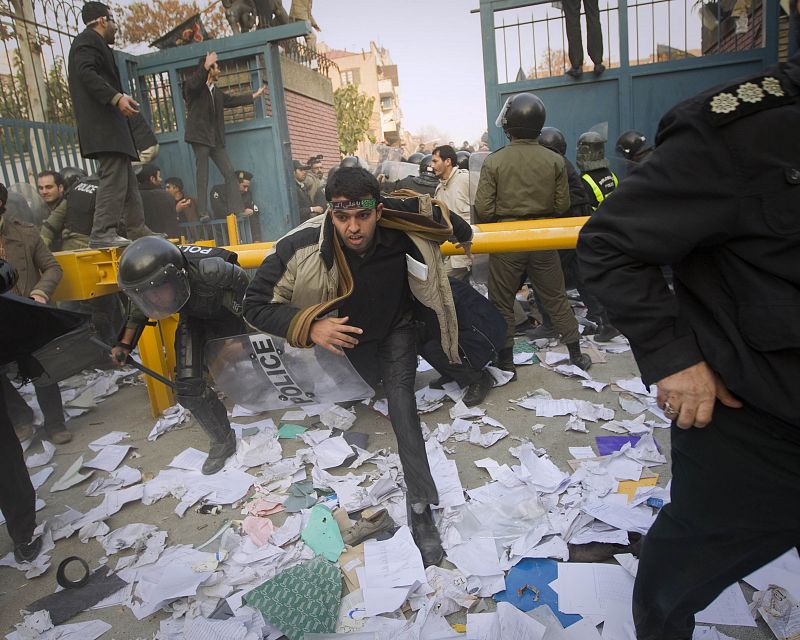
[(205, 129), (594, 36), (101, 110), (719, 199), (523, 181)]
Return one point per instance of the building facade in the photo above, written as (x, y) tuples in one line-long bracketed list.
[(374, 73)]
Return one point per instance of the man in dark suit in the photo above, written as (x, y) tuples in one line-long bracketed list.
[(205, 129), (159, 206), (102, 110)]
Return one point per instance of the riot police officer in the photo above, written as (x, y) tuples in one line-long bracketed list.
[(591, 160), (463, 159), (580, 205), (425, 182), (632, 145), (206, 286), (525, 180)]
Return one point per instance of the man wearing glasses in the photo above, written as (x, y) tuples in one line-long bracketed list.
[(102, 110), (351, 282)]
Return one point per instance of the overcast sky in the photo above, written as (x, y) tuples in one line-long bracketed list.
[(436, 45)]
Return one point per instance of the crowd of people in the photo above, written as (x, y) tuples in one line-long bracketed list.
[(362, 276)]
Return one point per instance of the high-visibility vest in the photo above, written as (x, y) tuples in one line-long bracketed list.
[(598, 192)]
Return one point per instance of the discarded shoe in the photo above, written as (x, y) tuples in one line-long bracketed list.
[(439, 382), (477, 391), (426, 535), (368, 527), (219, 453), (59, 434), (607, 332), (27, 551)]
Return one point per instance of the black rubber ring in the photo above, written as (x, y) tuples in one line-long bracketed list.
[(61, 577)]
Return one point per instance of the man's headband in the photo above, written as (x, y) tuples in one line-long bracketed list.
[(366, 203)]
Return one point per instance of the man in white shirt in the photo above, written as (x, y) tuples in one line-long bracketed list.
[(453, 190)]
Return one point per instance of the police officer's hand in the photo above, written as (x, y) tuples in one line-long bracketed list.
[(119, 355), (691, 395), (333, 334), (127, 105)]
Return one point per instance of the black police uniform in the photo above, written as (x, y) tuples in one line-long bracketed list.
[(213, 310), (81, 202), (419, 184), (719, 198), (598, 185), (219, 202)]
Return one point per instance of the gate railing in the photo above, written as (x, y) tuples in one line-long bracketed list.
[(30, 147)]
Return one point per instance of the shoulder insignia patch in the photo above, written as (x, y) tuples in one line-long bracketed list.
[(745, 98)]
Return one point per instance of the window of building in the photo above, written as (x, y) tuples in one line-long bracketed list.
[(350, 77)]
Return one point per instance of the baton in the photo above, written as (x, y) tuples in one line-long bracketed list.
[(135, 364)]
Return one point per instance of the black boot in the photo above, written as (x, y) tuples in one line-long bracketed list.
[(577, 358), (210, 413), (476, 392), (505, 361), (607, 332), (27, 551), (439, 382), (426, 535)]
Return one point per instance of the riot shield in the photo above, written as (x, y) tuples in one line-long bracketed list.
[(602, 129), (25, 203), (263, 373), (475, 163), (395, 171)]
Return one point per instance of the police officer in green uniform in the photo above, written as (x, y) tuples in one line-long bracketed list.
[(525, 180), (719, 198), (590, 156)]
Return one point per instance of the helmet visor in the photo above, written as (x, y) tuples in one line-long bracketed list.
[(501, 118), (161, 295)]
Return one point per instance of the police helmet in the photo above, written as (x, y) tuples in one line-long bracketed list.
[(554, 140), (416, 157), (522, 116), (152, 272), (630, 143), (8, 276), (463, 159), (426, 165), (72, 176), (350, 161), (591, 151)]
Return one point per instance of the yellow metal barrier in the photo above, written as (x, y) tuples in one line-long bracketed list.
[(93, 272)]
